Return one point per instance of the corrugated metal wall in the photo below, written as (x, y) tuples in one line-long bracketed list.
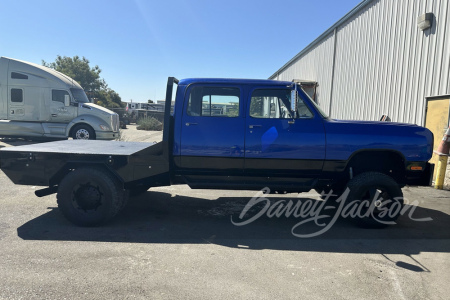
[(315, 65), (383, 63)]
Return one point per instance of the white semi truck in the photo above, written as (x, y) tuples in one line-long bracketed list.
[(39, 102)]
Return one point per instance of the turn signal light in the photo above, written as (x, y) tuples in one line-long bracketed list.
[(416, 168)]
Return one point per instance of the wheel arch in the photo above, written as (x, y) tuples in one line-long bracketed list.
[(89, 120), (75, 125), (387, 161)]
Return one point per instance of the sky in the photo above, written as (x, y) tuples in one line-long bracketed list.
[(139, 43)]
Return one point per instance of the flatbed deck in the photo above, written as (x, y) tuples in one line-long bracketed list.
[(82, 147), (46, 163)]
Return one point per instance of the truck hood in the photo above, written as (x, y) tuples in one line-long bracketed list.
[(345, 137), (98, 107)]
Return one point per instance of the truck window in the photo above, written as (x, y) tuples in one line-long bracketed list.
[(58, 95), (214, 102), (16, 95), (15, 75), (275, 104), (79, 95)]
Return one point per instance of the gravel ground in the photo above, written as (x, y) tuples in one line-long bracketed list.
[(178, 243), (131, 134)]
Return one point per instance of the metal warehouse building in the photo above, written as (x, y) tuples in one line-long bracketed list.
[(384, 57)]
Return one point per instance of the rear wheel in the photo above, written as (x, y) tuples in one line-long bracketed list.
[(378, 198), (90, 196), (83, 132)]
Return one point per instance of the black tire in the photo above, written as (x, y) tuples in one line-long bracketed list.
[(90, 196), (379, 197), (83, 132), (125, 199)]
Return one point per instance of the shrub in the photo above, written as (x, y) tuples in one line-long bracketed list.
[(149, 123)]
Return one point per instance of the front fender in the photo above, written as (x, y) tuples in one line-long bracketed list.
[(345, 138), (92, 121)]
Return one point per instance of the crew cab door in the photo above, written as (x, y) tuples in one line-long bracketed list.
[(278, 144), (212, 129)]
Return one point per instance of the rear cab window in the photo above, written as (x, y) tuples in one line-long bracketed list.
[(205, 101)]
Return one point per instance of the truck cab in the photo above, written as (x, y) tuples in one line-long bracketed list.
[(36, 101), (257, 133)]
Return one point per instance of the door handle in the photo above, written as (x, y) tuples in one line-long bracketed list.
[(189, 124), (254, 126)]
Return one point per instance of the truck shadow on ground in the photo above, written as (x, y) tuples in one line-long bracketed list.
[(157, 217)]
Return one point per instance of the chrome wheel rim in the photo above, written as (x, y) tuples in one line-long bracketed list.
[(82, 134)]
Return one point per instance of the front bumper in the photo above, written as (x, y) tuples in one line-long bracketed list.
[(107, 135)]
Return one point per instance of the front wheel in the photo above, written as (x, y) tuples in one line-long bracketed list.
[(90, 196), (377, 200), (83, 132)]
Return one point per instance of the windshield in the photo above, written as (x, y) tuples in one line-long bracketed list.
[(79, 96), (322, 113)]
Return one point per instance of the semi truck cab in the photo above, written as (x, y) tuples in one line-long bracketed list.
[(36, 101)]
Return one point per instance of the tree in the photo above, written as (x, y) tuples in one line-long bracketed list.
[(79, 70), (150, 101), (110, 99), (89, 78), (256, 107)]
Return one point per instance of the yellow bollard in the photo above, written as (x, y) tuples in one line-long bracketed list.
[(440, 173), (443, 151)]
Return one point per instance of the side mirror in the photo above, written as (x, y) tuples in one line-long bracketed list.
[(66, 100), (294, 102)]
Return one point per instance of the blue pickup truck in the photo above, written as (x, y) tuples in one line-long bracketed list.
[(231, 134)]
